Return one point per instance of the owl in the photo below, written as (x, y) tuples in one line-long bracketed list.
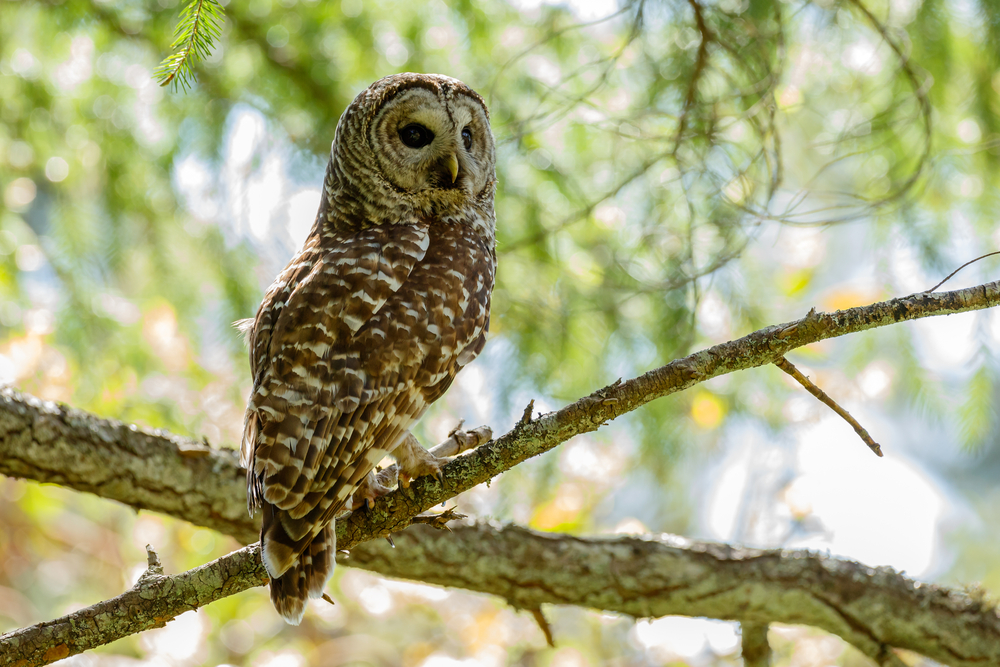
[(369, 323)]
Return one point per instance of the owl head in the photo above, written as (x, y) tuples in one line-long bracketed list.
[(411, 146)]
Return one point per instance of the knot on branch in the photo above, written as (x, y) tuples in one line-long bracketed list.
[(526, 415), (598, 400), (153, 566)]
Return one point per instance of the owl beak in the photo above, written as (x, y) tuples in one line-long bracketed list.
[(452, 164)]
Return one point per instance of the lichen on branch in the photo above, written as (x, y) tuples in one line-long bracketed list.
[(190, 480)]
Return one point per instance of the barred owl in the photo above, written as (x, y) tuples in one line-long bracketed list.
[(387, 300)]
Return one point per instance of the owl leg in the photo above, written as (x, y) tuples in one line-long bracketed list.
[(373, 486), (415, 461)]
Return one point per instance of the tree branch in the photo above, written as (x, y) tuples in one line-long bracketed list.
[(146, 469), (153, 601), (193, 481), (157, 471), (873, 609), (824, 398)]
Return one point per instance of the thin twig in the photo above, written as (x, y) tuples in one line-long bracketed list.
[(153, 565), (543, 624), (756, 650), (920, 88), (701, 59), (786, 365), (41, 454), (439, 521), (971, 261), (526, 416)]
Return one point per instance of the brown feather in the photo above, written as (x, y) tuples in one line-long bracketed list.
[(367, 325)]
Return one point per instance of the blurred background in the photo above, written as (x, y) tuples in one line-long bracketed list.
[(672, 175)]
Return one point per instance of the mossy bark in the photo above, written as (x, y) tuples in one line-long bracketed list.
[(154, 470)]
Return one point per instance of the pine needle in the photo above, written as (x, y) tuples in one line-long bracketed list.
[(197, 31)]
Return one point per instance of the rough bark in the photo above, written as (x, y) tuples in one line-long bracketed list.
[(874, 609), (152, 602), (147, 469), (168, 474), (190, 480)]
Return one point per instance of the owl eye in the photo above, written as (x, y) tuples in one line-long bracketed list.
[(467, 137), (416, 136)]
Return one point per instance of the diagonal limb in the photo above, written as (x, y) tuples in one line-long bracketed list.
[(786, 365)]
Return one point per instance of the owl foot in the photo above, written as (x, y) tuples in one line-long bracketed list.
[(459, 441), (374, 486), (415, 461)]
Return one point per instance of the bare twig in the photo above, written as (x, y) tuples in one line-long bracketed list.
[(526, 415), (756, 650), (543, 624), (920, 85), (439, 521), (952, 274), (701, 59), (788, 367), (53, 443), (153, 565)]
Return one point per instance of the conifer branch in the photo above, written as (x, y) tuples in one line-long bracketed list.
[(197, 31)]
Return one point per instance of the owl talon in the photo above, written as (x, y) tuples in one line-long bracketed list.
[(414, 461), (373, 487)]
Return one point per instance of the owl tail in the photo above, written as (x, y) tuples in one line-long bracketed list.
[(297, 573)]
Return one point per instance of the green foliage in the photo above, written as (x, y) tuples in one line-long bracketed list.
[(977, 413), (668, 179), (200, 26)]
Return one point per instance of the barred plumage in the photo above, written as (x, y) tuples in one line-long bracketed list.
[(369, 323)]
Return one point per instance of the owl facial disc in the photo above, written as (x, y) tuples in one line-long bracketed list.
[(433, 137)]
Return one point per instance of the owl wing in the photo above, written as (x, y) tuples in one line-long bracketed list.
[(410, 351), (351, 346), (310, 390)]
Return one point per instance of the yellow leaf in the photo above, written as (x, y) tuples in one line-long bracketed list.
[(793, 282), (843, 299), (707, 410)]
